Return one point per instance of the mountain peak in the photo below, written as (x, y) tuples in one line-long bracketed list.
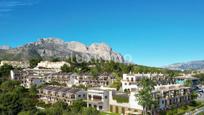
[(192, 65), (52, 40), (47, 48)]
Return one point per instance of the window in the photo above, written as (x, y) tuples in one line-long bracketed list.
[(162, 101), (95, 97), (79, 95), (106, 97), (89, 97), (89, 105), (95, 106), (131, 79), (100, 107)]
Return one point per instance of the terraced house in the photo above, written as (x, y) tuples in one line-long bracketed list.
[(53, 94), (172, 95)]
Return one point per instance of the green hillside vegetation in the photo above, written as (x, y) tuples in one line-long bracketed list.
[(96, 67), (5, 72), (201, 77)]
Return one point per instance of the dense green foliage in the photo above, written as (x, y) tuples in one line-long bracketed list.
[(66, 68), (188, 83), (144, 96), (55, 59), (96, 67), (14, 98), (121, 99), (183, 109), (201, 77), (5, 72), (34, 62), (61, 108)]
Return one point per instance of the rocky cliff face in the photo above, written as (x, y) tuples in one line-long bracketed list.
[(193, 65), (52, 47)]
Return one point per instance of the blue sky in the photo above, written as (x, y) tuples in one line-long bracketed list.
[(153, 32)]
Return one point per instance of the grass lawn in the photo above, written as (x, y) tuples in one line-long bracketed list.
[(105, 113)]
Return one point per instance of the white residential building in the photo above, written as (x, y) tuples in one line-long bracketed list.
[(99, 98), (130, 81), (130, 107), (29, 77), (53, 94)]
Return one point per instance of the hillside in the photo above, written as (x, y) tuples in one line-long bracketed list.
[(193, 65)]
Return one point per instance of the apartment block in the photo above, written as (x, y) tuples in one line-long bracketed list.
[(99, 98), (53, 94)]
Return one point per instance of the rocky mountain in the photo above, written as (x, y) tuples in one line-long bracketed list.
[(4, 47), (193, 65), (47, 48)]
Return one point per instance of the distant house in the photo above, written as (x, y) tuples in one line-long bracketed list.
[(29, 77)]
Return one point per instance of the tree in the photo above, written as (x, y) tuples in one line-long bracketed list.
[(34, 62), (9, 86), (57, 108), (94, 71), (90, 111), (55, 59), (33, 91), (28, 104), (25, 113), (5, 69), (78, 105), (9, 103), (66, 68), (15, 98), (144, 96), (4, 72), (188, 83), (201, 77)]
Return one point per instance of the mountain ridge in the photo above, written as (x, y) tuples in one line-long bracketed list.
[(191, 65), (47, 48)]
